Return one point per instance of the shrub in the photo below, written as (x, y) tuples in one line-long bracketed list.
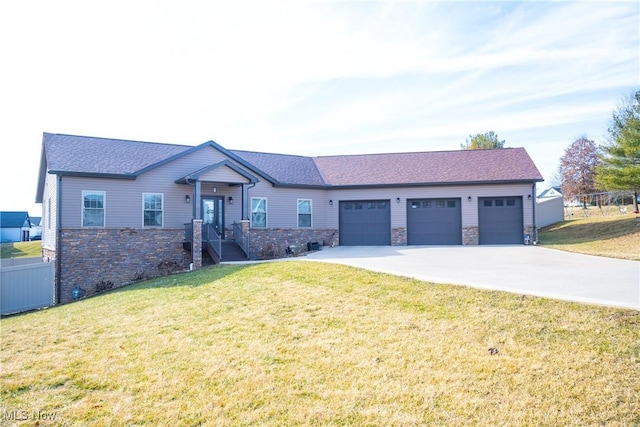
[(168, 267), (104, 285), (269, 251)]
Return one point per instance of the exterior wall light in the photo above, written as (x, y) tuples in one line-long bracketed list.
[(469, 198), (398, 199), (230, 200), (330, 202), (529, 197), (187, 199)]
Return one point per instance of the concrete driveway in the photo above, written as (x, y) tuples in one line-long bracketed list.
[(530, 270)]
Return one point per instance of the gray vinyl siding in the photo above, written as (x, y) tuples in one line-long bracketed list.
[(282, 204), (399, 209), (49, 219), (123, 198), (224, 174)]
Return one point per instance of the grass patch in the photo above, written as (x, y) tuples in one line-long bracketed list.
[(614, 236), (292, 343), (21, 249)]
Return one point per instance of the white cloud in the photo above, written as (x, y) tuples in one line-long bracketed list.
[(311, 77)]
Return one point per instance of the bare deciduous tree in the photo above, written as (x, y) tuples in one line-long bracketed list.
[(578, 167)]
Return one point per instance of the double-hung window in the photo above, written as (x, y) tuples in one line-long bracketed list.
[(304, 213), (259, 212), (92, 208), (152, 209)]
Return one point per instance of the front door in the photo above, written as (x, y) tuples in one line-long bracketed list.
[(213, 213)]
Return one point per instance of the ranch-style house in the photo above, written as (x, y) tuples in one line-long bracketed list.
[(115, 211)]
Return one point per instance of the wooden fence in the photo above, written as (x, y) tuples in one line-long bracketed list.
[(26, 287)]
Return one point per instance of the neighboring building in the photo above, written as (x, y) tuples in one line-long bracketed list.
[(118, 210), (14, 227), (35, 231), (549, 207), (550, 193)]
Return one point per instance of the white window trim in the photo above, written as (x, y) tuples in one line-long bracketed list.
[(104, 208), (310, 212), (266, 213), (161, 209)]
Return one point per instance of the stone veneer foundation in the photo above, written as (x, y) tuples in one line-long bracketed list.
[(470, 236), (273, 242), (91, 257), (116, 257), (399, 236)]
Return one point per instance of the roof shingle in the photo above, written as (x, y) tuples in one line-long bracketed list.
[(445, 167), (90, 155), (84, 154), (285, 168)]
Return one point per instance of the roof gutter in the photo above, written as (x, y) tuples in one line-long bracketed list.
[(401, 185), (95, 174)]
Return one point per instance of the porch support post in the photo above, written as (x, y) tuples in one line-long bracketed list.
[(245, 201), (196, 200), (196, 244)]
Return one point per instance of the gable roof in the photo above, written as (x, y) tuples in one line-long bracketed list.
[(432, 167), (550, 192), (193, 176), (117, 158), (284, 169), (69, 154), (14, 219)]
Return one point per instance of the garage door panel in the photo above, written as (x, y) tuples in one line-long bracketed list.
[(365, 223), (500, 220), (434, 222)]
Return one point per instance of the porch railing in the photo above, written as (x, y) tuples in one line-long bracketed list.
[(210, 235), (241, 238), (188, 232)]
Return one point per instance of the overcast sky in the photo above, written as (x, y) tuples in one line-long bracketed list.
[(310, 77)]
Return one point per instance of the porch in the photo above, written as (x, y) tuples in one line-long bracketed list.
[(219, 195), (234, 248)]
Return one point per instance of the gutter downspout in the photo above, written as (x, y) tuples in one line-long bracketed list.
[(245, 201), (58, 240), (193, 197), (533, 205)]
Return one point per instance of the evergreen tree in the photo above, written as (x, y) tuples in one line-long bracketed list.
[(620, 159)]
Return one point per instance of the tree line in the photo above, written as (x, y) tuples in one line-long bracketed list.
[(587, 168)]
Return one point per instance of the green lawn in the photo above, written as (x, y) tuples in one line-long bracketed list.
[(303, 343), (21, 249), (614, 235)]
